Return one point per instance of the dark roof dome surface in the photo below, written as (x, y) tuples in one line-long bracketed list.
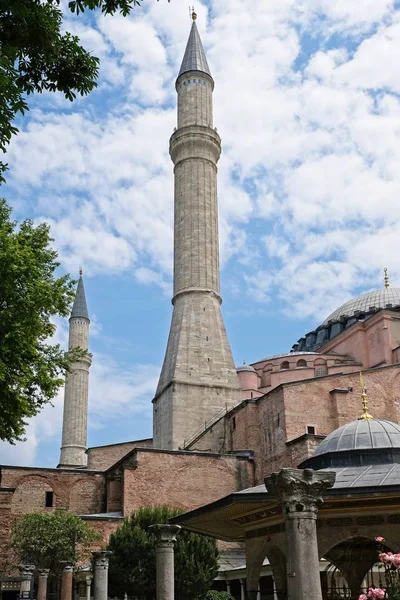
[(364, 434), (378, 299)]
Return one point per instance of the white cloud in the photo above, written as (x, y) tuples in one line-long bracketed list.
[(306, 105)]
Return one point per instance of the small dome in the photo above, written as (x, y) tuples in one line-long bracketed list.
[(361, 435), (245, 367), (377, 299)]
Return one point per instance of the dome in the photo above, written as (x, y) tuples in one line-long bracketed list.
[(245, 367), (378, 299), (364, 434)]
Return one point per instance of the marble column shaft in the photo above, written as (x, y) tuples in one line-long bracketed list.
[(101, 560), (66, 582), (299, 493), (26, 572), (165, 578), (88, 586), (42, 584)]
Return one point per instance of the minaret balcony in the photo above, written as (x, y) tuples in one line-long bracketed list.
[(195, 141)]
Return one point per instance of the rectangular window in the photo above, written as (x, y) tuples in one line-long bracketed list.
[(311, 429), (49, 499), (234, 423)]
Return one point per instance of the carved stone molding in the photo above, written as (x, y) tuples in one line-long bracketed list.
[(44, 573), (299, 491), (101, 559), (166, 534), (26, 571)]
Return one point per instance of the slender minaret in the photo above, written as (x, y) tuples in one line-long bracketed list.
[(74, 432), (198, 378)]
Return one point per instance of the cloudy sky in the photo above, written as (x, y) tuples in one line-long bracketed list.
[(307, 105)]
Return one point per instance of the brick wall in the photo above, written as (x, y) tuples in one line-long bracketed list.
[(103, 457), (183, 479), (73, 490)]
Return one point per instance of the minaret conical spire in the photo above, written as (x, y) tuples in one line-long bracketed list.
[(194, 58), (79, 308)]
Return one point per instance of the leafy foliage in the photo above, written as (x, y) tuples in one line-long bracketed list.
[(215, 595), (132, 564), (31, 369), (48, 540)]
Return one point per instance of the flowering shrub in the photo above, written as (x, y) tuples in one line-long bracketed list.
[(390, 563)]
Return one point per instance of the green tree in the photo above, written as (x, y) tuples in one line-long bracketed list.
[(31, 368), (215, 595), (48, 540), (132, 564)]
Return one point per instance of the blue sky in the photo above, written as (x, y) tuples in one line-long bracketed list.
[(307, 105)]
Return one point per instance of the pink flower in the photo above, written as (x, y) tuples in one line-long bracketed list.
[(379, 540), (362, 597), (396, 560), (377, 593)]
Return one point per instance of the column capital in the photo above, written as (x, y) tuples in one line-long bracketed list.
[(166, 534), (299, 490), (26, 570), (89, 579), (101, 558), (68, 567), (44, 573)]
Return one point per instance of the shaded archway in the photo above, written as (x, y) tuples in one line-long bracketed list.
[(351, 568)]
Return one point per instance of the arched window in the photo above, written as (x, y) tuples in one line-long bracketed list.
[(285, 365), (301, 363), (320, 368)]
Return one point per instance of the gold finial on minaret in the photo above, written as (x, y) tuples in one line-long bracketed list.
[(193, 13), (80, 271), (387, 284), (365, 414)]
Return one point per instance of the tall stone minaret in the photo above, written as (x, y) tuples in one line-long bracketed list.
[(74, 432), (198, 377)]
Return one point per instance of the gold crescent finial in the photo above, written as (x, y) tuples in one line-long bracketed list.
[(365, 415), (80, 271), (193, 14), (387, 284)]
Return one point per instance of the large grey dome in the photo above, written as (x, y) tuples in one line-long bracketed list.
[(368, 434), (378, 299)]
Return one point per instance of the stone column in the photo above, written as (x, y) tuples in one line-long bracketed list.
[(228, 586), (101, 559), (165, 582), (88, 584), (26, 572), (42, 584), (66, 582), (242, 590), (299, 493)]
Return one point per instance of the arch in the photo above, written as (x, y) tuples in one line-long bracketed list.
[(266, 376), (320, 367), (284, 365), (85, 497), (301, 363), (30, 495), (328, 538)]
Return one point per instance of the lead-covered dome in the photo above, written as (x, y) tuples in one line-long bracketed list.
[(364, 434), (385, 298)]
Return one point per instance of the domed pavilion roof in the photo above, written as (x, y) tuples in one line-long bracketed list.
[(384, 298), (364, 434)]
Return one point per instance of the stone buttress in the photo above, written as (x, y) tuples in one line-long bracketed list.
[(74, 431), (198, 378)]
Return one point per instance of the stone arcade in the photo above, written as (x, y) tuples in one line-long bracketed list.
[(220, 431)]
